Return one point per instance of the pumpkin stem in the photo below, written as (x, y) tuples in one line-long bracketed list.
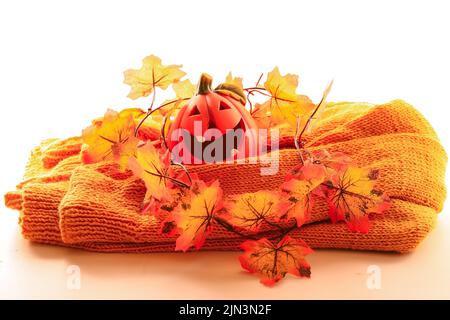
[(204, 85)]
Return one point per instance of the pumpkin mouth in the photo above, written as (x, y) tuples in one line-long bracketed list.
[(229, 143)]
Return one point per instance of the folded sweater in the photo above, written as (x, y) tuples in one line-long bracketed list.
[(98, 207)]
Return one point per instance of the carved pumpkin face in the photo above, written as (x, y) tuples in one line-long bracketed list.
[(215, 125)]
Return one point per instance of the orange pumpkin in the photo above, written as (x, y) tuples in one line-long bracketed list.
[(213, 126)]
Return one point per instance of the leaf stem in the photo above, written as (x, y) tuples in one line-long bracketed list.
[(298, 145), (285, 232), (180, 183), (262, 91), (255, 88), (149, 112), (259, 80), (231, 228), (183, 167), (343, 190), (251, 93), (273, 224)]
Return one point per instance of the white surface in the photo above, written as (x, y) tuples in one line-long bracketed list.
[(61, 65), (34, 271)]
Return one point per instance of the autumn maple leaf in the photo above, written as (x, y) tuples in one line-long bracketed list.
[(110, 138), (285, 106), (320, 164), (282, 88), (283, 117), (150, 129), (236, 81), (297, 191), (273, 261), (332, 161), (351, 196), (168, 228), (262, 114), (196, 217), (184, 89), (152, 74), (154, 170), (290, 114), (251, 210), (310, 170)]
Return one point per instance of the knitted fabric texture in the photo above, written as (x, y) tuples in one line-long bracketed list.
[(97, 207)]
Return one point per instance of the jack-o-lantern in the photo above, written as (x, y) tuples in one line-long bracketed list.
[(213, 126)]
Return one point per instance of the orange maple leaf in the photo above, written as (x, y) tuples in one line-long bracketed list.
[(152, 74), (332, 161), (110, 138), (195, 217), (351, 196), (273, 261), (251, 210), (298, 197)]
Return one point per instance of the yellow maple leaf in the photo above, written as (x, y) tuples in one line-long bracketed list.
[(262, 114), (282, 88), (195, 218), (251, 210), (110, 138), (289, 113), (168, 110), (184, 89), (234, 80), (150, 129), (153, 169), (351, 196), (152, 74), (285, 106), (283, 116)]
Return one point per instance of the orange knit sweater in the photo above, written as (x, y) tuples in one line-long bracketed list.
[(97, 207)]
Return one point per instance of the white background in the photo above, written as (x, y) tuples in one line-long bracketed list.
[(61, 65)]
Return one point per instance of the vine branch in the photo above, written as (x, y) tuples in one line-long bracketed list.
[(254, 236), (151, 111)]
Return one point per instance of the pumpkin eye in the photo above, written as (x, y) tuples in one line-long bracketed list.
[(194, 111), (223, 106)]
